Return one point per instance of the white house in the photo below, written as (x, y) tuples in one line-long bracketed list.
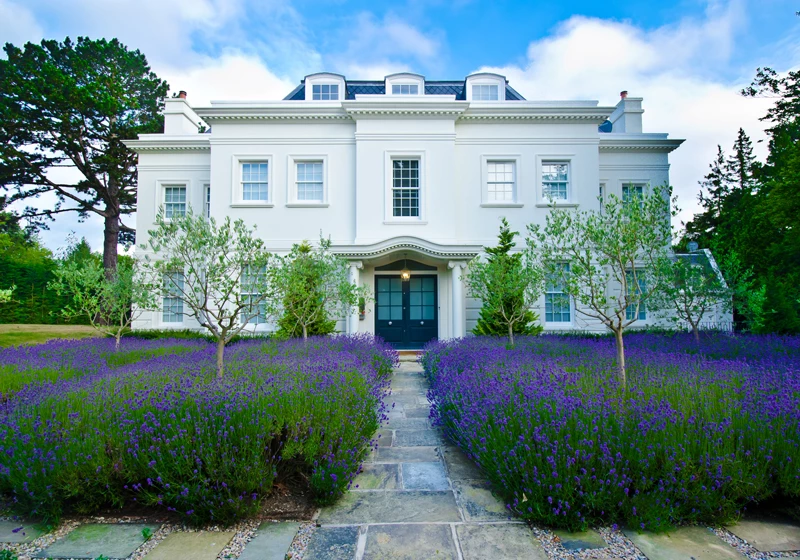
[(401, 173)]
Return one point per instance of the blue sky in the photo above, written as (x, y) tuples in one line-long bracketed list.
[(688, 59)]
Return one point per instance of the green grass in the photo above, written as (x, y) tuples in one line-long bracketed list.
[(15, 334)]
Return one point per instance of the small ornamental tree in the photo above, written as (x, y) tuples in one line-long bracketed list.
[(109, 303), (5, 295), (508, 284), (694, 290), (215, 273), (611, 261), (314, 290)]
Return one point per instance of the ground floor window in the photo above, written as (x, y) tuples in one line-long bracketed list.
[(636, 285), (557, 307), (172, 304)]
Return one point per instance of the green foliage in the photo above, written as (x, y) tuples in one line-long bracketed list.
[(8, 555), (72, 104), (508, 284), (314, 290), (5, 295), (224, 269), (147, 533)]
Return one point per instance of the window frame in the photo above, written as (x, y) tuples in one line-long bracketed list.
[(485, 79), (480, 86), (486, 160), (237, 192), (642, 304), (409, 85), (645, 186), (329, 85), (389, 217), (570, 303), (260, 320), (568, 187), (207, 200), (180, 314), (293, 201), (161, 194)]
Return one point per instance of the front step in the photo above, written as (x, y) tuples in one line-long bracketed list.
[(409, 355)]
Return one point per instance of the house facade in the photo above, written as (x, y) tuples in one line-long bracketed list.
[(402, 174)]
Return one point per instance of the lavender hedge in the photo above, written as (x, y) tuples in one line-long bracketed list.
[(700, 433), (165, 433)]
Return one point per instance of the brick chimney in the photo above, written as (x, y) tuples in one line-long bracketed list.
[(182, 94), (622, 95)]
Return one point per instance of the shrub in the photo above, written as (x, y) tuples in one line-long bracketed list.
[(700, 432), (167, 433)]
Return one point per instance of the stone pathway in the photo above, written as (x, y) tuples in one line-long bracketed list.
[(417, 498)]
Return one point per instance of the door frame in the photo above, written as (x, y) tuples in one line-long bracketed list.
[(384, 273)]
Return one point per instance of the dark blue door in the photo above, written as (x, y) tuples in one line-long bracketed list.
[(406, 313)]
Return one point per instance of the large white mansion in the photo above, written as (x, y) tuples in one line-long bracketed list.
[(399, 173)]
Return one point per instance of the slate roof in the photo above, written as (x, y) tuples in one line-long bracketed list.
[(378, 87)]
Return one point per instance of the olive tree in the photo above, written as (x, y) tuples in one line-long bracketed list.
[(609, 261), (215, 273), (110, 302)]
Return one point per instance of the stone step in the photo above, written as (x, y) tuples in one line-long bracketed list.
[(112, 540)]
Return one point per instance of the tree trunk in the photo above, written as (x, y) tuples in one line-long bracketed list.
[(696, 333), (110, 241), (511, 335), (220, 357), (116, 341), (305, 332), (620, 358)]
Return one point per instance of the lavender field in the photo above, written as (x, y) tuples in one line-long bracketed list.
[(700, 433), (83, 428)]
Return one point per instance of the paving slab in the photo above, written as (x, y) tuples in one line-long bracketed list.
[(478, 503), (418, 412), (416, 438), (686, 543), (332, 543), (768, 536), (18, 532), (391, 506), (200, 545), (377, 477), (406, 455), (459, 466), (580, 540), (410, 542), (271, 541), (499, 542), (112, 540), (384, 438), (409, 423), (424, 476)]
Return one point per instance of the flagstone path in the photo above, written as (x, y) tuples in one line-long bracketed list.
[(418, 497)]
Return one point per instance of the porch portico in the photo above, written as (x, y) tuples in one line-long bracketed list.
[(418, 289)]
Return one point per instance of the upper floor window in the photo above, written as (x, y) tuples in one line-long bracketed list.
[(405, 89), (485, 92), (325, 92), (405, 188), (555, 180), (632, 191), (557, 308), (500, 181), (310, 187), (174, 201), (255, 181), (172, 304)]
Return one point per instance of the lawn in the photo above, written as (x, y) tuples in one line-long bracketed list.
[(13, 334), (700, 433), (152, 425)]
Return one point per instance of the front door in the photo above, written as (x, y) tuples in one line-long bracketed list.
[(406, 313)]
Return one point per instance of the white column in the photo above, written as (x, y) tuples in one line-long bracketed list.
[(354, 275), (457, 298)]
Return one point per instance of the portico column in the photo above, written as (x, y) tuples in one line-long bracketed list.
[(457, 303), (354, 276)]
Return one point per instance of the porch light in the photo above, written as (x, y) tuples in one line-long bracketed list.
[(405, 274)]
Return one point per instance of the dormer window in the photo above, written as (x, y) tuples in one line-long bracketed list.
[(325, 92), (486, 87), (485, 92), (405, 89)]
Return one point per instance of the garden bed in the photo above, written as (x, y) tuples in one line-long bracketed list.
[(700, 432), (164, 433)]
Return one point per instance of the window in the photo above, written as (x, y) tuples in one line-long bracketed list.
[(309, 181), (405, 188), (405, 89), (601, 197), (208, 201), (255, 181), (325, 92), (255, 310), (485, 92), (631, 191), (174, 202), (556, 301), (635, 288), (173, 304), (555, 180), (500, 179)]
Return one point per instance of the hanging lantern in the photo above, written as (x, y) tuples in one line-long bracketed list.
[(405, 274)]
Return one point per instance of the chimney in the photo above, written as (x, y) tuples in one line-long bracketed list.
[(182, 94), (627, 117), (622, 94)]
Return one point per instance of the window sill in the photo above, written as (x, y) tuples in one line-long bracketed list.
[(405, 223), (307, 205), (557, 205), (252, 205), (502, 205)]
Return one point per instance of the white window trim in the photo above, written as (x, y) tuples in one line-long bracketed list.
[(485, 202), (389, 218), (324, 78), (556, 325), (392, 86), (644, 182), (160, 194), (404, 79), (338, 91), (572, 180), (486, 79), (206, 199), (291, 184), (172, 324), (237, 199), (602, 193)]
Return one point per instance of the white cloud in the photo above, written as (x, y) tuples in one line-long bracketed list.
[(588, 58), (17, 24)]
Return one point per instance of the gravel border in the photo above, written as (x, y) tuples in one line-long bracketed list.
[(748, 550)]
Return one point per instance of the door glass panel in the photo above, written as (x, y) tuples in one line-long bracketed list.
[(396, 314), (427, 312), (383, 285), (427, 284), (427, 298), (415, 283), (383, 298), (416, 313), (397, 285), (397, 298), (383, 313), (416, 298)]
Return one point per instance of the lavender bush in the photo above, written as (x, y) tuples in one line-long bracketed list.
[(166, 433), (699, 433)]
